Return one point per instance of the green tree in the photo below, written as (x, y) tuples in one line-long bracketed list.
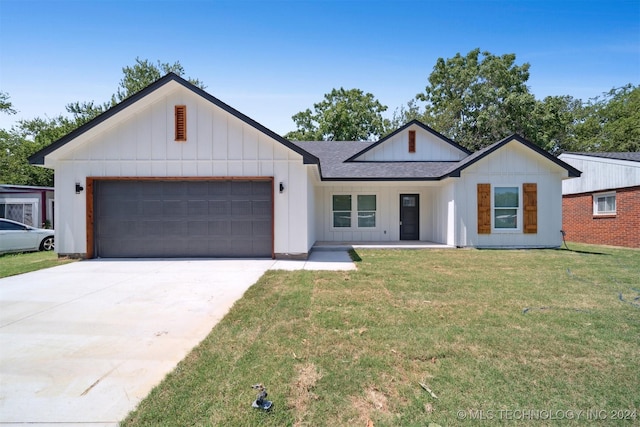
[(5, 105), (554, 122), (135, 78), (24, 139), (478, 99), (29, 136), (343, 115), (611, 123), (405, 113)]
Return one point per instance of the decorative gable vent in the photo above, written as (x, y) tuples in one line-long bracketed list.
[(181, 122), (412, 141)]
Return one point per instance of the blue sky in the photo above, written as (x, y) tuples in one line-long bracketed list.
[(272, 59)]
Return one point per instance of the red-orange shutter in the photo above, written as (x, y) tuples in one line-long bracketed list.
[(484, 208), (530, 196)]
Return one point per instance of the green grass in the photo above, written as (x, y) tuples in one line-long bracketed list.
[(485, 330), (12, 264)]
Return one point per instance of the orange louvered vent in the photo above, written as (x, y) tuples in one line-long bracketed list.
[(412, 141), (181, 122)]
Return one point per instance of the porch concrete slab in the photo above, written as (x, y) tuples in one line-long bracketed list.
[(334, 260), (398, 244)]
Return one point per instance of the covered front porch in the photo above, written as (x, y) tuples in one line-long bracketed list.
[(398, 244)]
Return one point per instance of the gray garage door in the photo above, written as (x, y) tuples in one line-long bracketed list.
[(183, 219)]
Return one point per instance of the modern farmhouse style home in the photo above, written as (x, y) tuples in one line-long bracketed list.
[(174, 172)]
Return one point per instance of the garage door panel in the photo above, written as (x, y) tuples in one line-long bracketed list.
[(219, 207), (241, 229), (220, 188), (240, 207), (173, 188), (198, 207), (221, 218), (152, 208), (198, 189), (261, 228), (261, 208), (198, 228), (220, 228), (174, 208), (242, 188)]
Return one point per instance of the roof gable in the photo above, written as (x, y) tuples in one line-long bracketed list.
[(480, 154), (430, 146), (39, 157)]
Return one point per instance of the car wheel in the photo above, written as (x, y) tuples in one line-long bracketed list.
[(47, 244)]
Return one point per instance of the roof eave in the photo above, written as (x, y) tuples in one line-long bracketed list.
[(38, 158)]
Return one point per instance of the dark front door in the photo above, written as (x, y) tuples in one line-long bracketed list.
[(409, 217)]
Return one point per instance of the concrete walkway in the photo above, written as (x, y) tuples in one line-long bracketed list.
[(84, 343)]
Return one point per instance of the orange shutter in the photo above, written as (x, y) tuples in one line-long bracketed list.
[(484, 208), (412, 141), (181, 122), (530, 197)]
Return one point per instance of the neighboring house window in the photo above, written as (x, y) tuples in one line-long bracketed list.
[(21, 212), (604, 204), (181, 122), (506, 207), (412, 141), (366, 209), (341, 211)]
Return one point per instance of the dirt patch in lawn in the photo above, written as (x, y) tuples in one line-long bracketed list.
[(302, 391)]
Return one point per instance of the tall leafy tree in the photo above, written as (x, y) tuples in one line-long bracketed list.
[(24, 139), (611, 122), (135, 78), (405, 113), (553, 122), (478, 98), (343, 115)]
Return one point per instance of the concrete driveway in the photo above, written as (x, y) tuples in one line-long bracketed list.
[(86, 342)]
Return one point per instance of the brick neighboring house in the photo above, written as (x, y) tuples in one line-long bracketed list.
[(603, 205)]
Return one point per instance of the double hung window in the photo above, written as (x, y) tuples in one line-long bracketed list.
[(354, 211)]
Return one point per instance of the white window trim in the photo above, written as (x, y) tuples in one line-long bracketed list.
[(354, 210), (519, 217), (596, 196)]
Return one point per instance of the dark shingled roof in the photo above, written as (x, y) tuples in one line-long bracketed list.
[(334, 166), (629, 156), (336, 162)]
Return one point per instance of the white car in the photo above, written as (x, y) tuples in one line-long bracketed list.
[(17, 237)]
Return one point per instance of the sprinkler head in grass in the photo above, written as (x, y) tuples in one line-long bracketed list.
[(261, 402)]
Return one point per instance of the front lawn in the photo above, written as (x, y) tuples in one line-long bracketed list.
[(12, 264), (532, 337)]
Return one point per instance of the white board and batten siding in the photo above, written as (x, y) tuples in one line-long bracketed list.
[(142, 145), (429, 148), (511, 166), (600, 174)]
